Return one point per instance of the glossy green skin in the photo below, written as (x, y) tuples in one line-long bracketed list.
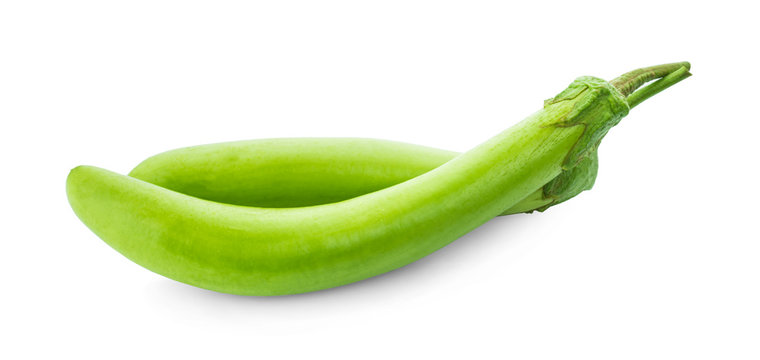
[(289, 172), (276, 251), (295, 172)]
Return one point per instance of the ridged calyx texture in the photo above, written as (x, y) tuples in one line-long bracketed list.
[(597, 106), (572, 182)]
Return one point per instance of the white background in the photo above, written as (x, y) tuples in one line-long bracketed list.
[(660, 261)]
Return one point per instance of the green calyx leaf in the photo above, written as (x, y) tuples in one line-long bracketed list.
[(572, 182), (597, 106)]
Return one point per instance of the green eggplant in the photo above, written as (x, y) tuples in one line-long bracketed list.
[(276, 251)]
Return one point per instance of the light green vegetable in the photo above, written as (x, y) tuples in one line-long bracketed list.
[(275, 251), (297, 172)]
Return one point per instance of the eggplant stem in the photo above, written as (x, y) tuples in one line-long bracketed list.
[(630, 81), (652, 89)]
